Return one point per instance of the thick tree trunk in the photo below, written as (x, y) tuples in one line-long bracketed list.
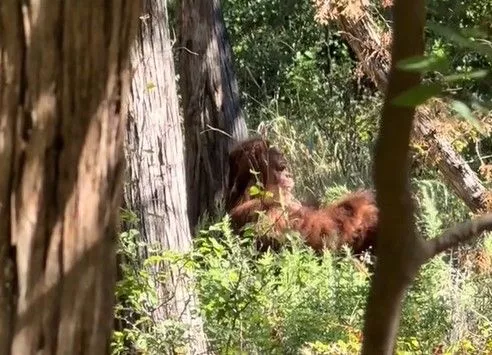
[(365, 39), (63, 72), (156, 188), (212, 114)]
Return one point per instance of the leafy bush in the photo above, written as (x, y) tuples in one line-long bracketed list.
[(293, 300), (297, 302), (136, 330)]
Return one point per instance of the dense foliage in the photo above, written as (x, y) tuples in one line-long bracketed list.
[(292, 68), (302, 85), (294, 301)]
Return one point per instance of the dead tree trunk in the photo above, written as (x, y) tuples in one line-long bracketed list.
[(359, 29), (156, 188), (61, 154), (212, 113)]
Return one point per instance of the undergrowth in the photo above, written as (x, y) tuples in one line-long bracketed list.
[(296, 302)]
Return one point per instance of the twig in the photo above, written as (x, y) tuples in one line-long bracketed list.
[(187, 50), (210, 128)]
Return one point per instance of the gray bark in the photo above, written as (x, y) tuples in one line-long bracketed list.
[(212, 114), (365, 39), (63, 72), (156, 189)]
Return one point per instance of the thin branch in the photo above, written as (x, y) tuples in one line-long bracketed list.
[(458, 234), (210, 128)]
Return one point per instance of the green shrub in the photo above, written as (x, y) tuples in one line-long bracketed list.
[(293, 300), (296, 302)]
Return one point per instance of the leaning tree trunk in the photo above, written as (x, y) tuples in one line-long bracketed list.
[(156, 188), (359, 29), (212, 114), (63, 72)]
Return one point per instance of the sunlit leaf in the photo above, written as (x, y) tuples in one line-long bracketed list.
[(151, 86), (423, 64), (477, 74), (254, 190), (458, 38), (464, 111), (417, 95)]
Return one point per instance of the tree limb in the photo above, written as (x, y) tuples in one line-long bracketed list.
[(458, 234)]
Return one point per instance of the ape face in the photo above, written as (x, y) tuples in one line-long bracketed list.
[(278, 171), (285, 180)]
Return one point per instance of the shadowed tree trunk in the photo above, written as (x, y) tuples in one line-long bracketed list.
[(359, 29), (212, 114), (156, 188), (63, 72)]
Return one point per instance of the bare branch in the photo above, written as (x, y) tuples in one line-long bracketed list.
[(458, 234)]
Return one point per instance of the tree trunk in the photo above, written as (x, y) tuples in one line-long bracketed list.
[(399, 248), (212, 114), (63, 72), (401, 251), (156, 190), (364, 37)]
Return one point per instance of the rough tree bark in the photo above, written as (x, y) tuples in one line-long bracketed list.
[(359, 29), (156, 187), (63, 72), (401, 252), (212, 114)]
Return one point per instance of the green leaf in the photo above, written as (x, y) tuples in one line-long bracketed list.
[(477, 74), (151, 86), (417, 95), (458, 38), (423, 64), (309, 54), (254, 190), (464, 111)]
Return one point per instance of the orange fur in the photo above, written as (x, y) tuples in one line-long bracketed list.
[(351, 220)]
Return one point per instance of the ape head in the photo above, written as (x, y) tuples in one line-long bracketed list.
[(256, 161)]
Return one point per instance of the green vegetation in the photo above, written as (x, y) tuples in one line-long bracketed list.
[(294, 301), (301, 83)]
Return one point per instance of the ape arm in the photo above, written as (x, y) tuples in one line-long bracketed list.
[(247, 211), (244, 212)]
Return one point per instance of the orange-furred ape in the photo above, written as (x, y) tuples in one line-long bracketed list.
[(351, 220), (254, 154)]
